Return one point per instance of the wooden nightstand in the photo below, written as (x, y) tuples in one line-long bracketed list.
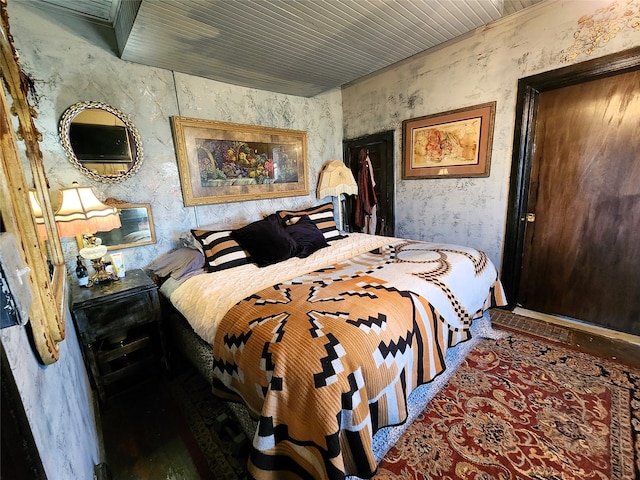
[(119, 325)]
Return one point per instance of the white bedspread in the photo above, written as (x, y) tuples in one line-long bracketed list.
[(205, 298)]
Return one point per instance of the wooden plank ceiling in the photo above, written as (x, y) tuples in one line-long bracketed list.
[(297, 47)]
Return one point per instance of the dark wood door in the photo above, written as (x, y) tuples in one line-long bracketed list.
[(581, 254), (380, 149)]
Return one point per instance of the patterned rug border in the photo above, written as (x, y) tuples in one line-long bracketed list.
[(560, 334), (571, 349), (632, 389), (514, 330), (623, 380)]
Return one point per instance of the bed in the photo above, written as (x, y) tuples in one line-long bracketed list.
[(327, 349)]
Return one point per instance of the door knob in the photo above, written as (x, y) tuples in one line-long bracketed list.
[(531, 217)]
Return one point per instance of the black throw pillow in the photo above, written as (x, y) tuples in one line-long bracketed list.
[(266, 241), (307, 235)]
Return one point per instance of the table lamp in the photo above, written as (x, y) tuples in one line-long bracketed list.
[(335, 179), (81, 213)]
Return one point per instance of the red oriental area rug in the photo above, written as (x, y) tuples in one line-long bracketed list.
[(523, 408)]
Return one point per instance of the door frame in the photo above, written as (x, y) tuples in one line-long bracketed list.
[(386, 138), (529, 90)]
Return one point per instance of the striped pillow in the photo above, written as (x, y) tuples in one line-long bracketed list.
[(321, 216), (220, 250)]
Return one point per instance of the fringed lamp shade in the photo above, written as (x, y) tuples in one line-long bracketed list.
[(82, 213), (336, 178)]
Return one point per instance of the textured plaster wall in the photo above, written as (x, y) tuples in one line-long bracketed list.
[(58, 403), (483, 67), (70, 67)]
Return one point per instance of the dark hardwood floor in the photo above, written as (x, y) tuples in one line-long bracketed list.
[(142, 435)]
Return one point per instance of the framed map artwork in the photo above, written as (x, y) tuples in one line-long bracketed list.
[(456, 143)]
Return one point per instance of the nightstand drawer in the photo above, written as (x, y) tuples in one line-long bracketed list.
[(120, 330), (132, 353), (108, 318)]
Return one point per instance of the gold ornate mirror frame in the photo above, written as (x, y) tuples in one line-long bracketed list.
[(49, 308), (137, 227)]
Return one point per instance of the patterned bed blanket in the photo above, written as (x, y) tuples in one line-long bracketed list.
[(326, 359)]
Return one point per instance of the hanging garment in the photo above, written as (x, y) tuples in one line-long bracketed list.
[(366, 201)]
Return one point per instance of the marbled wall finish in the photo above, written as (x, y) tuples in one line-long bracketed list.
[(483, 67), (58, 403), (70, 67)]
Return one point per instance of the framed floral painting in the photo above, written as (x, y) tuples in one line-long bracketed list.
[(230, 162), (456, 143)]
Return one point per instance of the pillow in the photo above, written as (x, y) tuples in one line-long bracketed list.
[(220, 250), (307, 236), (266, 241), (178, 263), (321, 216), (188, 240)]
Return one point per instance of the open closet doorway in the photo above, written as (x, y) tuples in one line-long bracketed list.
[(380, 150), (573, 239)]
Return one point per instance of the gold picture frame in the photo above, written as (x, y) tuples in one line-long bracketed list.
[(456, 143), (137, 228), (230, 162)]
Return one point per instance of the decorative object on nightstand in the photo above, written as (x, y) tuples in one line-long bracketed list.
[(335, 179), (81, 213), (81, 272), (120, 330), (94, 251), (118, 264)]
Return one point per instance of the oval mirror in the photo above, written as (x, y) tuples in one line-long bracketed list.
[(101, 141)]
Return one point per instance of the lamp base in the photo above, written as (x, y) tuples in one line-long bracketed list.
[(101, 275), (95, 254)]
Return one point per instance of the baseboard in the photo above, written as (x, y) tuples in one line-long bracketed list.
[(102, 472), (618, 346), (577, 325)]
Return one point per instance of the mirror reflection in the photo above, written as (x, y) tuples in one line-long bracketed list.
[(101, 141), (136, 229)]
